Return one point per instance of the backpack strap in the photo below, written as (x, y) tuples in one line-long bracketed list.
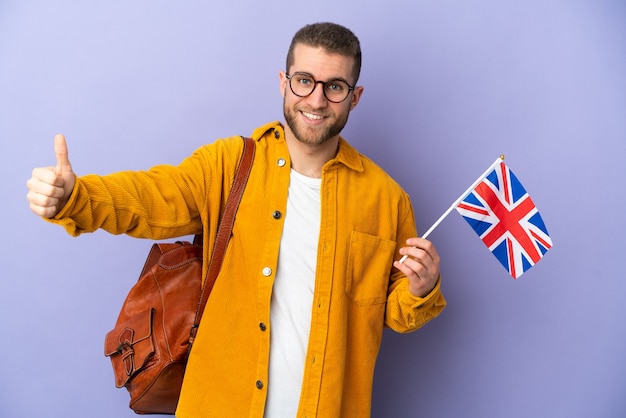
[(224, 230)]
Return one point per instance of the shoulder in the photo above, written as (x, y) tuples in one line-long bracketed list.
[(381, 176), (368, 168), (232, 147)]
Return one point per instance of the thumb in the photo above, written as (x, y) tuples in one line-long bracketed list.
[(60, 150)]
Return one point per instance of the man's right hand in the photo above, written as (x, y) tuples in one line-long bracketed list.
[(49, 188)]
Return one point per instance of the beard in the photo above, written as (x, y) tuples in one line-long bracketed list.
[(313, 135)]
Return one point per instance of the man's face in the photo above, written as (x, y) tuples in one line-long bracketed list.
[(313, 119)]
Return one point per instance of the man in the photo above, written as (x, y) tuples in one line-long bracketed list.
[(294, 322)]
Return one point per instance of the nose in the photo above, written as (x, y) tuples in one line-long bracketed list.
[(317, 96)]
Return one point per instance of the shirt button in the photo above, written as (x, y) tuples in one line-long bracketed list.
[(262, 326), (276, 134), (267, 271), (281, 162), (259, 384), (277, 214)]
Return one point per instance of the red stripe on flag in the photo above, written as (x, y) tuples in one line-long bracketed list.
[(509, 245), (505, 181), (473, 209), (541, 240)]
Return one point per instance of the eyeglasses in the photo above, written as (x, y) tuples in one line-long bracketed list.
[(335, 90)]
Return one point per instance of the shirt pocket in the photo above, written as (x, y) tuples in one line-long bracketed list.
[(369, 263)]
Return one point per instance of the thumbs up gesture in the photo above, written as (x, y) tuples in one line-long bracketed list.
[(49, 188)]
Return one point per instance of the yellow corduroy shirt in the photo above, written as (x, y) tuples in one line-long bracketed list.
[(366, 217)]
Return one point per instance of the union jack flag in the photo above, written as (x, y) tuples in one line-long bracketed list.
[(502, 214)]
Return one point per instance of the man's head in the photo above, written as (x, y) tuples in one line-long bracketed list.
[(319, 84), (331, 37)]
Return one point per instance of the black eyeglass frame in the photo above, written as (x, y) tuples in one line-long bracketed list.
[(323, 83)]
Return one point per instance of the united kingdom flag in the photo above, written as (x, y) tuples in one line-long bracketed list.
[(502, 214)]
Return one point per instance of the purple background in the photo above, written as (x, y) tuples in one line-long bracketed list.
[(449, 86)]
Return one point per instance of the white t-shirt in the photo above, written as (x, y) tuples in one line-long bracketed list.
[(292, 296)]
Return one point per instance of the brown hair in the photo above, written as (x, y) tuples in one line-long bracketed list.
[(333, 38)]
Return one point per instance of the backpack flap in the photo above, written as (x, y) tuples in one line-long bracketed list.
[(130, 345)]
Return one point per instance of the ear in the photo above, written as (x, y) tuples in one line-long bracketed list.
[(356, 96), (283, 82)]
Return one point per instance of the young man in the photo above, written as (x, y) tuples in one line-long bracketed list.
[(295, 320)]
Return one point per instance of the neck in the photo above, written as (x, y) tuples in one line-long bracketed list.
[(308, 159)]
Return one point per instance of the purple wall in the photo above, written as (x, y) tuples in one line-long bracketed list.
[(449, 86)]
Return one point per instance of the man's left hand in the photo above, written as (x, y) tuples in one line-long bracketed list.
[(421, 266)]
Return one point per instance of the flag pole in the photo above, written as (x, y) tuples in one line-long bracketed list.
[(456, 202)]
